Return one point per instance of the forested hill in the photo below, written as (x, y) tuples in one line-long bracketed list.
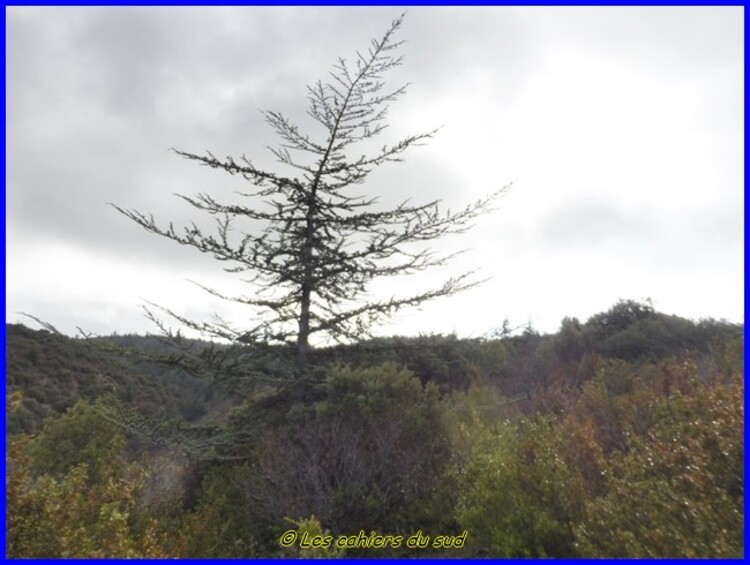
[(620, 436), (54, 371)]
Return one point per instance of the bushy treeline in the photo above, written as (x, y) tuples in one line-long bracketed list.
[(580, 443)]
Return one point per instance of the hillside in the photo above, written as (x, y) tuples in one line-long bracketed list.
[(54, 371), (620, 436)]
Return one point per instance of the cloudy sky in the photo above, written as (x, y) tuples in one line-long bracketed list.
[(621, 129)]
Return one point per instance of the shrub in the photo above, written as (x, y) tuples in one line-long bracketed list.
[(517, 498), (369, 455), (678, 490), (80, 436), (68, 516)]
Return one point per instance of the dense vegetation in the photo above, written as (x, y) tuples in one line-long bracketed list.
[(618, 436)]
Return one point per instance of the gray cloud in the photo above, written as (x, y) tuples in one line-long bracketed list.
[(96, 96)]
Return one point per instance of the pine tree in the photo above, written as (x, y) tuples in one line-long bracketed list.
[(318, 244)]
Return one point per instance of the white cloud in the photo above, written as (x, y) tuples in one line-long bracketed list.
[(622, 128)]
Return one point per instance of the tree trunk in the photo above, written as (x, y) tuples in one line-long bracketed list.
[(307, 274), (304, 327)]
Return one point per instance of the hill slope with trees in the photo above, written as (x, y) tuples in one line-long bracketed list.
[(618, 436)]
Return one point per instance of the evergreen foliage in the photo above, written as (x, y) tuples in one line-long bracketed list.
[(316, 245)]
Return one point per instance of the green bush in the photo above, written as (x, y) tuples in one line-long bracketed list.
[(370, 455), (81, 435), (517, 498), (218, 525), (70, 516), (678, 489)]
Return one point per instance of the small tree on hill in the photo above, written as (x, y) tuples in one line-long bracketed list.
[(318, 244)]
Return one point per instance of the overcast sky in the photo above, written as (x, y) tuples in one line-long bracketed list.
[(620, 128)]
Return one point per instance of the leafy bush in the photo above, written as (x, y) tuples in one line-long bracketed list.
[(678, 489), (80, 436), (217, 525), (69, 516), (369, 455), (517, 498)]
